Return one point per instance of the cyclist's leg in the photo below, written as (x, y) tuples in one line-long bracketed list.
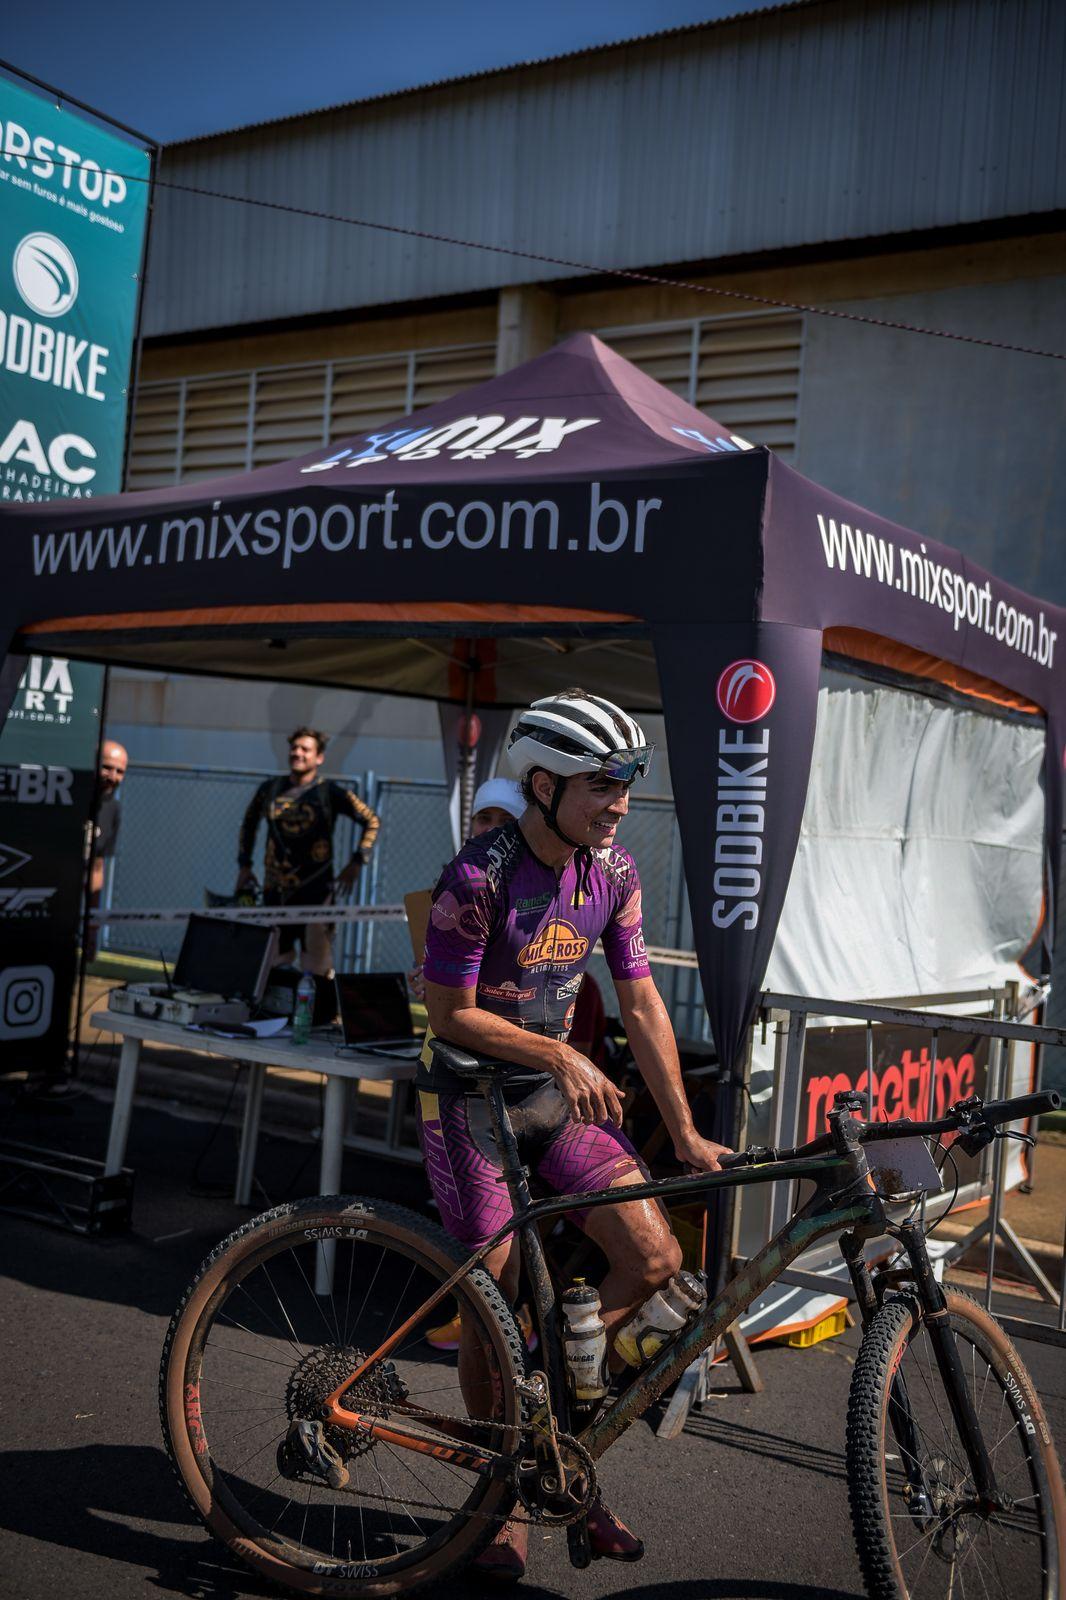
[(473, 1204), (636, 1237), (641, 1250)]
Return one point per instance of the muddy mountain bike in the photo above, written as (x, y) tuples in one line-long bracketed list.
[(322, 1439)]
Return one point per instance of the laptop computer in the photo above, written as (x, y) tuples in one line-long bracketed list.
[(228, 958), (376, 1013)]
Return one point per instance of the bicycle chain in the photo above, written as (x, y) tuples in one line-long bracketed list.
[(538, 1516)]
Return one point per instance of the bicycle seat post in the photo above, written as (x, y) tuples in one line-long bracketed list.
[(515, 1173)]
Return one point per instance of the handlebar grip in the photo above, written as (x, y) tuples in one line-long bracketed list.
[(1023, 1105), (737, 1158)]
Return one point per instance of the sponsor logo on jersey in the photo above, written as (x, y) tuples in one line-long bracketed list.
[(451, 915), (505, 991), (568, 1020), (566, 990), (630, 914), (530, 905), (746, 691), (638, 950), (557, 943)]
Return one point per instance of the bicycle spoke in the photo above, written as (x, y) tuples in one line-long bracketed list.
[(396, 1502), (943, 1547)]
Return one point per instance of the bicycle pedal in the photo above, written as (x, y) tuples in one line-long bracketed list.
[(578, 1546), (305, 1449)]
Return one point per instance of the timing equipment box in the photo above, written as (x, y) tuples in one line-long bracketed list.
[(162, 1003)]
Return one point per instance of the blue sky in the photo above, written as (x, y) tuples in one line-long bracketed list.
[(175, 70)]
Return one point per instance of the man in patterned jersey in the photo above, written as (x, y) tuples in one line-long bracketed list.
[(514, 920), (301, 810)]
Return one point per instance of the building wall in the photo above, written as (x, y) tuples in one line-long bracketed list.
[(848, 119), (954, 439)]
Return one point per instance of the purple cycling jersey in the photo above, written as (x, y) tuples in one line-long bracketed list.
[(503, 923)]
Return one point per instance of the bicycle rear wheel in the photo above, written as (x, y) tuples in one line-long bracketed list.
[(253, 1348), (919, 1533)]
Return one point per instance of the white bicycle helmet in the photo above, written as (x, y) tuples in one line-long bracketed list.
[(576, 732)]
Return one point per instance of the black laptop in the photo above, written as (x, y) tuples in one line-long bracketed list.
[(376, 1013)]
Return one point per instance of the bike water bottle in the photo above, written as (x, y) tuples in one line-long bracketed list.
[(659, 1318), (687, 1293), (649, 1329), (304, 1009), (585, 1343)]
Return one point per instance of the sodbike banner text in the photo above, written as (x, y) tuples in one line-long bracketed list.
[(73, 214)]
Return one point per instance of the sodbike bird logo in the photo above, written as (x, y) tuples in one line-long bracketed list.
[(46, 274), (745, 691)]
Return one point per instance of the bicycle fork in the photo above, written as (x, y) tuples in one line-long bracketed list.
[(946, 1353)]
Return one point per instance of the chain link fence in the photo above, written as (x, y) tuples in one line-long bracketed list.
[(179, 839)]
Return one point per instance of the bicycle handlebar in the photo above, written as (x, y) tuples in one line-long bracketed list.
[(965, 1114)]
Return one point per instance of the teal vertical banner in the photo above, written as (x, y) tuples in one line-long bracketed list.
[(74, 199)]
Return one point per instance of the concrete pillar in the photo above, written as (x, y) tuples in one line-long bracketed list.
[(525, 325)]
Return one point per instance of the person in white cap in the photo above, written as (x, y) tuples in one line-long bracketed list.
[(497, 801)]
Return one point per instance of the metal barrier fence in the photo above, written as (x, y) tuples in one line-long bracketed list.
[(1001, 1033), (179, 838)]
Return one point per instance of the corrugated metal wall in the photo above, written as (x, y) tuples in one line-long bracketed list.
[(852, 119)]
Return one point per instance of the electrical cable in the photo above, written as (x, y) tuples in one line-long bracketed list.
[(197, 1184), (948, 1209), (629, 274)]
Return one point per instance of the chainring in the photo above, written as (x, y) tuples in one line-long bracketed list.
[(580, 1470)]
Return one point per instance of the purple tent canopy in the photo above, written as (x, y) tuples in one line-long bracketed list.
[(582, 524)]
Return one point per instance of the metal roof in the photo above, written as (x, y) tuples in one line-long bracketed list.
[(822, 121), (511, 66)]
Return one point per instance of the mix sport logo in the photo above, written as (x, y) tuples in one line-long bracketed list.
[(558, 943), (465, 439), (746, 691), (46, 274)]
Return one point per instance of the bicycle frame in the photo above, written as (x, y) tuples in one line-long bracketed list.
[(836, 1206), (843, 1203)]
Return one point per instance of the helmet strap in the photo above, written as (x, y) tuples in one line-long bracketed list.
[(583, 855)]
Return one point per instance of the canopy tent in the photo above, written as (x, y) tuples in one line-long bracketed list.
[(581, 524)]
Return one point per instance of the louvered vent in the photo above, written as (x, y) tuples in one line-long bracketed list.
[(193, 428), (744, 371)]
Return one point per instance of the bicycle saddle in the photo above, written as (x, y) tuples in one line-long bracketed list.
[(461, 1062)]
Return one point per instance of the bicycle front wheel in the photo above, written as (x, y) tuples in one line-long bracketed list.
[(254, 1351), (919, 1530)]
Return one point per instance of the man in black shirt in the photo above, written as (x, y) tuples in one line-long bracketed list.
[(300, 811), (113, 763)]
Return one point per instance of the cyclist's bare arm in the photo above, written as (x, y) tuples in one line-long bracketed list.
[(651, 1039), (455, 1015)]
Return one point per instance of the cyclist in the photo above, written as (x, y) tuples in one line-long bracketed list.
[(514, 920)]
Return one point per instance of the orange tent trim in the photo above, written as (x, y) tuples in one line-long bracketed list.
[(411, 612), (882, 652)]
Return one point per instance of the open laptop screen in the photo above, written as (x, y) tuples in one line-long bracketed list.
[(227, 958), (374, 1006)]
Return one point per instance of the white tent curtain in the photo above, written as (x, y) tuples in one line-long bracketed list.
[(919, 864)]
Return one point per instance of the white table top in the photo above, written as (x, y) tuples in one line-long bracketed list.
[(316, 1056)]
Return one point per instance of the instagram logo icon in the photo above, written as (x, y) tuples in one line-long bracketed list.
[(26, 1002)]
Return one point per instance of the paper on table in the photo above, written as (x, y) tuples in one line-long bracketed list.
[(262, 1028)]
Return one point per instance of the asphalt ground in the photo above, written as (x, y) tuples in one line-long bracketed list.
[(749, 1504)]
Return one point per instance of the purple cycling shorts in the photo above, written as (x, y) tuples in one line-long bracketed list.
[(464, 1167)]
